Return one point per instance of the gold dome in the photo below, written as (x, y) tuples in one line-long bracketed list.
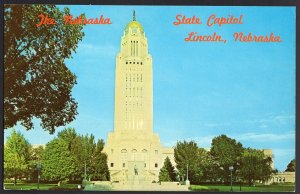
[(134, 24)]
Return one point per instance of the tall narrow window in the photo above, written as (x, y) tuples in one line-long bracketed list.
[(131, 48), (137, 48)]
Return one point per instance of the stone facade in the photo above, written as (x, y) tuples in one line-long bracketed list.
[(134, 151), (269, 153), (282, 177)]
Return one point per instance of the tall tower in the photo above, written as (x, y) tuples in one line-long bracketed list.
[(134, 151), (133, 90)]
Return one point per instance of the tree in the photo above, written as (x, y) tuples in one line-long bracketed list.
[(99, 163), (16, 156), (291, 166), (275, 171), (35, 159), (37, 81), (58, 164), (189, 156), (167, 172), (255, 165), (211, 169), (58, 161), (226, 152), (83, 148), (68, 156)]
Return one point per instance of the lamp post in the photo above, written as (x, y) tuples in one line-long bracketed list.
[(231, 169), (85, 171), (38, 167), (187, 182)]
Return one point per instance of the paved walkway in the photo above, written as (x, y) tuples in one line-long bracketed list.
[(148, 187), (136, 187), (96, 187)]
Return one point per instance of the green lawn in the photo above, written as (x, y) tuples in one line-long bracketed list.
[(43, 186), (259, 188), (215, 188)]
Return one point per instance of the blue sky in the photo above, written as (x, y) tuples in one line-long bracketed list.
[(201, 89)]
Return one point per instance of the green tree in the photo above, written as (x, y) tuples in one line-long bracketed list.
[(77, 154), (88, 151), (255, 165), (226, 152), (58, 161), (99, 163), (37, 81), (83, 148), (291, 166), (167, 172), (275, 171), (35, 158), (189, 156), (58, 164), (210, 169), (16, 156)]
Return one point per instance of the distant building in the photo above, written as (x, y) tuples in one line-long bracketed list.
[(38, 145), (282, 177), (269, 153)]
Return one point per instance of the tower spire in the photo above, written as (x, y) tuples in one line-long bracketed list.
[(133, 16)]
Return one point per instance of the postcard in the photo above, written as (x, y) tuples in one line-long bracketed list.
[(149, 98)]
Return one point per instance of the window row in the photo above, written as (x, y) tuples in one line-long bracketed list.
[(134, 92), (134, 77), (134, 107), (124, 165), (129, 62), (134, 151)]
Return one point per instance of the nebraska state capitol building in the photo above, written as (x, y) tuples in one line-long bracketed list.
[(134, 151)]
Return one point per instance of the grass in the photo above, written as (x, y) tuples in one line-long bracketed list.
[(215, 188), (259, 188), (43, 186)]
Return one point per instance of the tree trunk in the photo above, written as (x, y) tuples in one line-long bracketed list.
[(15, 180)]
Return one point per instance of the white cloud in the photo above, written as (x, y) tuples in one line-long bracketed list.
[(205, 141), (265, 137), (273, 119)]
